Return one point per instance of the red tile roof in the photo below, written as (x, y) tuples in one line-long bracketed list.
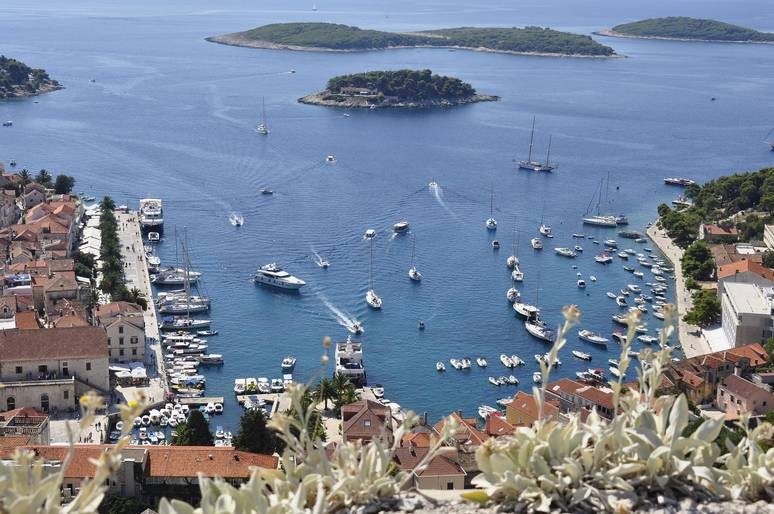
[(729, 270), (742, 388), (525, 403), (467, 432), (717, 230), (115, 308), (408, 458), (60, 343), (496, 426), (27, 320), (188, 461)]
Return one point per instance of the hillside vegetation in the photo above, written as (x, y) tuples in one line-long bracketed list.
[(680, 27), (405, 84), (344, 37), (18, 79)]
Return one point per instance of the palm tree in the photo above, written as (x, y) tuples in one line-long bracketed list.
[(43, 177), (340, 383), (346, 396), (325, 391)]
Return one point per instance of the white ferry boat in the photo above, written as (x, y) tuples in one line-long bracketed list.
[(273, 275), (151, 214)]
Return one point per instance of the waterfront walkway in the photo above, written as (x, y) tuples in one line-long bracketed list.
[(136, 275), (691, 343)]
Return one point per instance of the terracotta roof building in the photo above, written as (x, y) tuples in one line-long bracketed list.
[(439, 473), (737, 396), (366, 420)]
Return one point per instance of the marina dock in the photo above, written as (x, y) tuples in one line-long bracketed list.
[(137, 276), (203, 400)]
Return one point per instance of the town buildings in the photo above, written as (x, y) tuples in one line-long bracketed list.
[(747, 312)]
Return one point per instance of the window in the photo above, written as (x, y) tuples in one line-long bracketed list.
[(88, 366), (66, 395), (43, 369), (19, 370), (133, 340), (450, 485), (110, 352), (134, 352), (121, 352), (367, 423), (10, 403), (120, 330), (44, 402), (121, 341), (108, 341)]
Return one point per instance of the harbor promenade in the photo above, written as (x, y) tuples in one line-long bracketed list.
[(691, 338), (137, 276)]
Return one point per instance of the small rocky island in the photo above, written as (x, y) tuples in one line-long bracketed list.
[(410, 89), (332, 37), (681, 28), (19, 80)]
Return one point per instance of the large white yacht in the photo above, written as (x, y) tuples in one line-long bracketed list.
[(151, 214), (273, 275), (348, 358)]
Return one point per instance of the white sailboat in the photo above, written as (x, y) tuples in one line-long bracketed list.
[(413, 273), (598, 220), (491, 223), (533, 165), (372, 299), (263, 127)]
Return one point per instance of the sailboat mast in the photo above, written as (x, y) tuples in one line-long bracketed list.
[(186, 278), (548, 153), (491, 204), (371, 266), (531, 140), (177, 261), (413, 249)]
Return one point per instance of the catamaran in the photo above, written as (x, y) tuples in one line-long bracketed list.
[(263, 127), (532, 165)]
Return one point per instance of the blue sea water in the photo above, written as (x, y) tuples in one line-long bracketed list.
[(172, 116)]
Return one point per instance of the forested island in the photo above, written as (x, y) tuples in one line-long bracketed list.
[(684, 28), (18, 80), (396, 89), (333, 37)]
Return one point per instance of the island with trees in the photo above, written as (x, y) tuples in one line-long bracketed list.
[(331, 37), (19, 80), (396, 89), (681, 28)]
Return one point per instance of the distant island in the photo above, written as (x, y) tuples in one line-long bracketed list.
[(19, 80), (396, 89), (331, 37), (688, 29)]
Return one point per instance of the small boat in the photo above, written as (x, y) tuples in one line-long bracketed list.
[(592, 278), (620, 337), (581, 355), (486, 410), (612, 243), (207, 333), (536, 243), (613, 362), (545, 230), (512, 380), (236, 220), (634, 288), (330, 159), (621, 319), (611, 295), (421, 324), (621, 301), (516, 360), (266, 191), (578, 248), (516, 274), (401, 226), (623, 255), (647, 339), (219, 432), (625, 292), (565, 252), (579, 236), (615, 372), (481, 362), (525, 310), (440, 366), (277, 385), (142, 434), (288, 363), (638, 274), (494, 381), (537, 377), (512, 294), (456, 363), (592, 337), (153, 237), (369, 234), (659, 315), (378, 391), (507, 362), (137, 422), (603, 258), (218, 408), (495, 245), (581, 283), (539, 329)]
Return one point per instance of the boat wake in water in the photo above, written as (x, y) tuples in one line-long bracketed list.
[(317, 258), (236, 219), (437, 192), (344, 319)]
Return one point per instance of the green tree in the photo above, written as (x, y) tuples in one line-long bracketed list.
[(706, 309), (44, 178), (663, 210), (25, 176), (64, 184), (107, 204), (134, 295), (254, 436), (325, 391), (194, 432), (697, 261), (122, 505), (769, 346), (768, 258)]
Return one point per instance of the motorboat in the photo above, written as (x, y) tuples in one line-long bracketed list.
[(545, 230), (625, 292), (378, 391), (613, 362), (440, 366), (183, 323), (592, 337), (612, 243), (137, 422), (507, 361), (517, 275), (355, 327), (611, 295), (536, 243), (565, 252), (539, 329), (330, 159), (491, 224), (623, 255), (512, 294), (466, 364), (456, 363), (647, 339), (369, 234), (154, 237), (494, 381), (592, 278), (659, 315), (525, 310), (581, 355), (603, 258), (620, 337), (578, 248), (512, 380), (537, 377), (421, 324), (373, 299), (240, 385), (273, 275), (288, 363), (277, 385), (678, 181), (615, 372), (581, 283), (621, 301), (495, 244), (486, 410), (481, 362), (516, 360), (236, 220), (211, 358), (266, 191), (401, 226), (638, 274), (634, 288), (621, 319)]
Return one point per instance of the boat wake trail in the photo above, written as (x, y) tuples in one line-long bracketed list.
[(319, 260), (344, 319), (437, 192)]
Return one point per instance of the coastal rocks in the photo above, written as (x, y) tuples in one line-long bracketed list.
[(328, 99)]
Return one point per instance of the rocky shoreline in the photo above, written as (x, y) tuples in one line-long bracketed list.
[(237, 39), (22, 92), (326, 99), (612, 33)]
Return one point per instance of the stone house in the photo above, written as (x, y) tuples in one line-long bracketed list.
[(737, 396), (124, 323)]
